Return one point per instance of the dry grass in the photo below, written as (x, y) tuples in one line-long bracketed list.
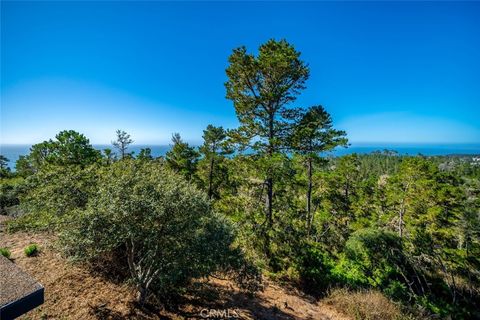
[(365, 305)]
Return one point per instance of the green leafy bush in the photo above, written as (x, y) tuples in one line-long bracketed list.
[(374, 258), (51, 194), (33, 221), (315, 268), (31, 250), (5, 252), (9, 190), (58, 190), (377, 254), (163, 225)]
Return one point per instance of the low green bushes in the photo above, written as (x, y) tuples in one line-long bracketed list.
[(9, 190), (37, 221), (31, 250), (373, 257), (315, 266), (5, 252)]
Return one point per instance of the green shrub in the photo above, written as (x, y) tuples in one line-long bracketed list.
[(163, 225), (396, 290), (349, 273), (315, 268), (37, 221), (59, 190), (9, 190), (375, 258), (377, 255), (31, 250), (5, 252)]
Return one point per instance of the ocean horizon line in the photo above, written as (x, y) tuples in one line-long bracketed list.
[(13, 151), (351, 143)]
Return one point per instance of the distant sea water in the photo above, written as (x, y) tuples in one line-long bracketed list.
[(14, 151)]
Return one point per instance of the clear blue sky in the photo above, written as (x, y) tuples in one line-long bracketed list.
[(387, 72)]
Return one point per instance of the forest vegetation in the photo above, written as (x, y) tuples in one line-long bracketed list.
[(262, 200)]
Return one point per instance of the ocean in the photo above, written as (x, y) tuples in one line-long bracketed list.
[(14, 151)]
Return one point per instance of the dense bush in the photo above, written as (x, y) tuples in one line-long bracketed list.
[(51, 194), (376, 254), (58, 190), (375, 258), (164, 226), (9, 192), (38, 221), (315, 268)]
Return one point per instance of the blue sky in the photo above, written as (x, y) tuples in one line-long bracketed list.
[(386, 71)]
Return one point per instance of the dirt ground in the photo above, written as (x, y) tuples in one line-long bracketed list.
[(73, 292)]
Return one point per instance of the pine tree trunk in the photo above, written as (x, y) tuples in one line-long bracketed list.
[(141, 295), (269, 201), (400, 223), (270, 178), (210, 178), (309, 195)]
